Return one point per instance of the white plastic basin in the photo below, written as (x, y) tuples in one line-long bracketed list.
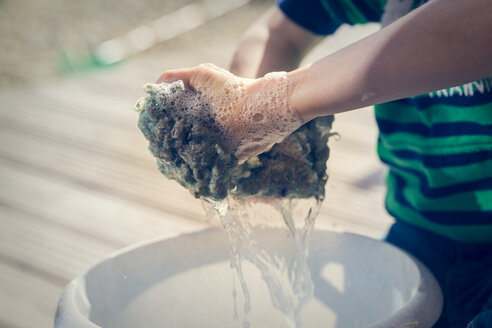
[(187, 282)]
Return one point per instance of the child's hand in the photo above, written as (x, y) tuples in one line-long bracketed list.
[(253, 113), (204, 78)]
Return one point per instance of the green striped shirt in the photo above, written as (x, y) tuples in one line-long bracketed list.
[(438, 147)]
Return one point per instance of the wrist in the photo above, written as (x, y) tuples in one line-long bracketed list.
[(300, 97), (275, 89), (267, 118)]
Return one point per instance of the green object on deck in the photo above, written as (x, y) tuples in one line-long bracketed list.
[(80, 63)]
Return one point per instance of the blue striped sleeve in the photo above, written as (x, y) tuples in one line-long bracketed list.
[(323, 17), (310, 15)]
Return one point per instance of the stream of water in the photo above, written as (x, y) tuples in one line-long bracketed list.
[(282, 260)]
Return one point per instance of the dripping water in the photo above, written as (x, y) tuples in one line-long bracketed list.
[(282, 262)]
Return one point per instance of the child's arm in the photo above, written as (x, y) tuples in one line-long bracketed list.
[(441, 44), (273, 43)]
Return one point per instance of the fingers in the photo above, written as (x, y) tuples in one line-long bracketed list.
[(185, 74), (195, 75)]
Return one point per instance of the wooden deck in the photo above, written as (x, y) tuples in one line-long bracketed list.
[(77, 180)]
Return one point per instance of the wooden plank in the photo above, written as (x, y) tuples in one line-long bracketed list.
[(26, 301), (90, 213), (98, 172), (56, 254), (91, 126)]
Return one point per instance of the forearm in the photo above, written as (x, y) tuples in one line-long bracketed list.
[(258, 54), (442, 44), (273, 43)]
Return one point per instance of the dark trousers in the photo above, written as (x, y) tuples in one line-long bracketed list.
[(463, 270)]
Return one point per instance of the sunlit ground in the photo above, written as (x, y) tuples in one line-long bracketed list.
[(77, 180)]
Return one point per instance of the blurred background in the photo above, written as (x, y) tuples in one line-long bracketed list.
[(76, 179)]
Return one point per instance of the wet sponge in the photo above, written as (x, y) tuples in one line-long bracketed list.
[(192, 149)]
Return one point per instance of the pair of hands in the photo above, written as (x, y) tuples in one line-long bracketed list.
[(254, 114)]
